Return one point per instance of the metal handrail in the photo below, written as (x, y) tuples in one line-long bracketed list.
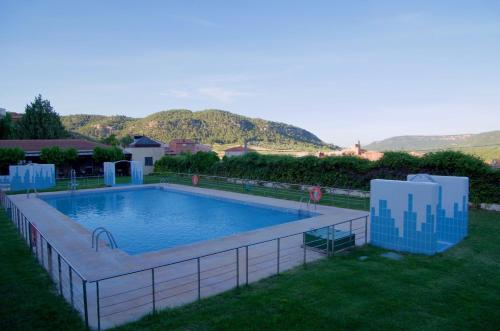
[(307, 200), (28, 192), (95, 238)]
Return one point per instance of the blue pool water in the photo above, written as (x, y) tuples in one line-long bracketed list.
[(150, 219)]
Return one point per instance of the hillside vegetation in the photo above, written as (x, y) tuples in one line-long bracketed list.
[(486, 145), (208, 126)]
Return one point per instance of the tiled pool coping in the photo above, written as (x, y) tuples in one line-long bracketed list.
[(74, 241)]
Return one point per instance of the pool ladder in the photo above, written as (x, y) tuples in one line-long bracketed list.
[(95, 238), (28, 192), (164, 182), (307, 201)]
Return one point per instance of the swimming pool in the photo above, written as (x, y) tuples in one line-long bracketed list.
[(150, 219)]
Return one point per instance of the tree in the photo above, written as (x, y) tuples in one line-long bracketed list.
[(60, 157), (40, 121), (10, 156), (110, 140), (107, 154), (52, 155), (126, 140), (6, 129)]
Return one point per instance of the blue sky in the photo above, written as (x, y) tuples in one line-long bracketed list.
[(345, 70)]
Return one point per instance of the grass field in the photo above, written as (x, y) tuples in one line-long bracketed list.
[(456, 290), (28, 299)]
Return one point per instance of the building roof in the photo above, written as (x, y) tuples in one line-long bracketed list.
[(36, 145), (143, 141), (182, 141), (239, 149), (15, 116)]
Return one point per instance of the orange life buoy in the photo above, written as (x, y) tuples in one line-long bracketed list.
[(315, 194), (195, 180)]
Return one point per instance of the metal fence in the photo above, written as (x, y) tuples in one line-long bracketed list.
[(341, 197), (146, 290), (70, 283), (120, 298)]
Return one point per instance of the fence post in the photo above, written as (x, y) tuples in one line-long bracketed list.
[(328, 241), (199, 278), (16, 213), (246, 262), (26, 227), (238, 267), (153, 288), (49, 259), (29, 238), (85, 307), (366, 229), (98, 306), (59, 274), (304, 245), (278, 256), (41, 251), (333, 239), (70, 271)]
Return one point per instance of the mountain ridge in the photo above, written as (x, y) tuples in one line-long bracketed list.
[(427, 142), (210, 126), (485, 145)]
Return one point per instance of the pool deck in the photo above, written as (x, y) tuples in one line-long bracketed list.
[(74, 242)]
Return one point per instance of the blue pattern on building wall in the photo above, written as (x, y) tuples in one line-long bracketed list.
[(384, 232), (35, 176), (136, 169), (136, 172), (452, 229), (109, 173)]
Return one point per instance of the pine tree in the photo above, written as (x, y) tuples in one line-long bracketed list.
[(40, 121)]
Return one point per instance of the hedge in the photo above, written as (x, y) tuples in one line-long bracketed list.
[(341, 171), (10, 156)]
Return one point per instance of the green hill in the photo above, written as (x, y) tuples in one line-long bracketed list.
[(485, 145), (208, 126)]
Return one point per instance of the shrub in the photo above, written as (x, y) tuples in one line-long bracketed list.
[(107, 154), (10, 156), (344, 171), (201, 162), (58, 156)]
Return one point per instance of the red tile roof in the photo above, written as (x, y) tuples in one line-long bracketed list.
[(238, 149), (15, 116), (182, 141), (36, 145)]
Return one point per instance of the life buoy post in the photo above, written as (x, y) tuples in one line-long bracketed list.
[(315, 194)]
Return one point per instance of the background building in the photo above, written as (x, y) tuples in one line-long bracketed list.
[(146, 150), (237, 151)]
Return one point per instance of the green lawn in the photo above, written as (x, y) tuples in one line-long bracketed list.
[(457, 290), (28, 299)]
